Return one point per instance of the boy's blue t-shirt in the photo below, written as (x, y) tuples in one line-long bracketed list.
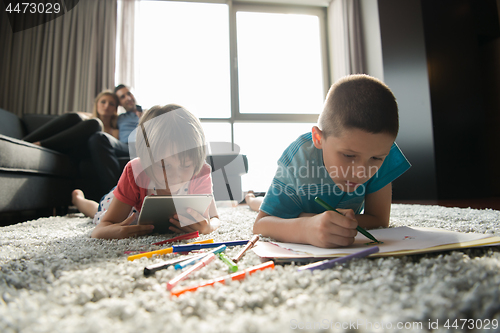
[(301, 176)]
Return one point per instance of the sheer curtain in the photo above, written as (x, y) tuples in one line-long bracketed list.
[(125, 42), (344, 27), (61, 65)]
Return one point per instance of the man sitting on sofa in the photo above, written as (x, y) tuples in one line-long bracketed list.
[(106, 150)]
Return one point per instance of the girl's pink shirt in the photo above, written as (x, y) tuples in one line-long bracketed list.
[(129, 192)]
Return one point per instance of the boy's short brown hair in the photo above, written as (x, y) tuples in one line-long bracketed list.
[(359, 102)]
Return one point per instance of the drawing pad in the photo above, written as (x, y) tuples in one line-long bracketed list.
[(158, 209)]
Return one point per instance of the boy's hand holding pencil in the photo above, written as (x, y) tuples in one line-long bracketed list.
[(330, 229), (358, 228)]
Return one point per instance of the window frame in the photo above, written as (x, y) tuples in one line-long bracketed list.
[(236, 116), (233, 7)]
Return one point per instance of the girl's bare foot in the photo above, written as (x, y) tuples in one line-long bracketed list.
[(249, 196), (37, 143), (85, 206), (252, 201), (77, 196)]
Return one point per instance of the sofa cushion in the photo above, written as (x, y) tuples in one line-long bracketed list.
[(11, 125), (20, 156)]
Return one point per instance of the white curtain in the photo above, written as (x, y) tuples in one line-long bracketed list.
[(125, 42), (61, 65), (344, 27)]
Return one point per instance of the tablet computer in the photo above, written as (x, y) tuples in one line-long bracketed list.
[(158, 209)]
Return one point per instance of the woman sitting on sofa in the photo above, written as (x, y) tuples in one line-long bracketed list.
[(70, 132)]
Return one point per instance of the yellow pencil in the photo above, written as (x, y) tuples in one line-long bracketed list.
[(163, 251)]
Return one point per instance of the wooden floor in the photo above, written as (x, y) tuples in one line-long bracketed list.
[(484, 203)]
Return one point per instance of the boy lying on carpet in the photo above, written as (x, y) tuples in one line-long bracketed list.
[(349, 160), (176, 136)]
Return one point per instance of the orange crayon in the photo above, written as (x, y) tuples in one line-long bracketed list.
[(235, 276)]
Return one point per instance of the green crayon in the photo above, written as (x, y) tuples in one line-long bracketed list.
[(232, 266)]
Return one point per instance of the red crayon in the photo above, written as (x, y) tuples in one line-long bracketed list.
[(178, 238)]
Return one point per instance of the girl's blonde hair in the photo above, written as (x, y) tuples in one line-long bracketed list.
[(170, 128), (95, 114)]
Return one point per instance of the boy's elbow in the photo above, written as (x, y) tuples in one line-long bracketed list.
[(257, 225), (385, 220), (255, 228), (382, 222)]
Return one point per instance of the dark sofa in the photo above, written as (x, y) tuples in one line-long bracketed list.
[(36, 181)]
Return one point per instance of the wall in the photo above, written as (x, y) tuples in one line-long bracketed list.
[(463, 50), (442, 60), (398, 54)]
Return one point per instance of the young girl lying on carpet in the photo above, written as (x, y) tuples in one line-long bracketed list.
[(173, 138)]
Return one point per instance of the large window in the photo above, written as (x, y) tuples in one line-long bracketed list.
[(263, 144), (279, 63), (256, 75), (182, 56)]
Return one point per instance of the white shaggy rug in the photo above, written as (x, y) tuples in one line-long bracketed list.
[(55, 278)]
